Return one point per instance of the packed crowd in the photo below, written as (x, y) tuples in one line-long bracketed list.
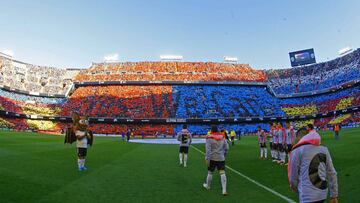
[(200, 101), (49, 80), (322, 103), (13, 123), (321, 107), (339, 119), (10, 105), (31, 99), (33, 105), (121, 101), (173, 71), (316, 77), (203, 101), (165, 101), (39, 79), (43, 125)]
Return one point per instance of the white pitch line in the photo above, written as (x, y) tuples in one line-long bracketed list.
[(253, 181)]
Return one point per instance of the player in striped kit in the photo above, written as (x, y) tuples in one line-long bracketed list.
[(275, 142), (271, 142), (262, 143), (281, 135), (290, 138)]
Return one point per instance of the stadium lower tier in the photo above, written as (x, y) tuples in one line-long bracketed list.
[(121, 101), (180, 101), (200, 101), (164, 129)]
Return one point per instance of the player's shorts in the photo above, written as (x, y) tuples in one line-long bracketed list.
[(262, 145), (232, 138), (271, 145), (82, 152), (288, 148), (281, 148), (220, 165), (184, 149), (275, 146)]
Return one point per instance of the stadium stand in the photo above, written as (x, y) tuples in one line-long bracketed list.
[(30, 98), (317, 76), (17, 103), (224, 101), (13, 123), (35, 79), (187, 101), (173, 71), (322, 103), (121, 101)]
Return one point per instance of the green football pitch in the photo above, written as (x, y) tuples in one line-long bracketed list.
[(40, 168)]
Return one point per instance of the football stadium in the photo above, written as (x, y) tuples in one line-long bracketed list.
[(160, 129)]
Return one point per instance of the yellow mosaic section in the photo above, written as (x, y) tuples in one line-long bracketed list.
[(5, 123), (344, 103), (43, 111), (300, 110), (302, 123), (41, 124), (340, 119)]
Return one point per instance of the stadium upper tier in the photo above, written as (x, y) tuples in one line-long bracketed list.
[(32, 79), (172, 71), (317, 76)]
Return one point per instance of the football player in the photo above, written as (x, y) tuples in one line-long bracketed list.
[(185, 138), (290, 138), (216, 150), (262, 142), (281, 135)]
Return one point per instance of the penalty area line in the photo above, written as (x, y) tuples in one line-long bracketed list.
[(253, 181)]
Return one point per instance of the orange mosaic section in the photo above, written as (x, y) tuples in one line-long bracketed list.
[(180, 71)]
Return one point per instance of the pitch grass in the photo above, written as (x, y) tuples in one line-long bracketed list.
[(40, 168)]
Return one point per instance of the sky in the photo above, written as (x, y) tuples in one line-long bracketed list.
[(72, 34)]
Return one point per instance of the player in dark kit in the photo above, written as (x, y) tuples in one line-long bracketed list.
[(128, 134), (185, 138)]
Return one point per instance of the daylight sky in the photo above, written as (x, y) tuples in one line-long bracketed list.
[(259, 32)]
